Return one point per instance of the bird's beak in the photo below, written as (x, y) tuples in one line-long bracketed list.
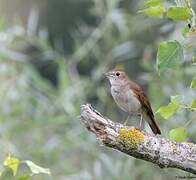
[(108, 74)]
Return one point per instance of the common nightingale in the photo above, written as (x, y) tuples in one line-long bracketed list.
[(130, 97)]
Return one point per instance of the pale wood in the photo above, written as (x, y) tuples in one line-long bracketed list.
[(155, 148)]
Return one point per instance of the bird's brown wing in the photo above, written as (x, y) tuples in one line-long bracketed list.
[(138, 91), (146, 107)]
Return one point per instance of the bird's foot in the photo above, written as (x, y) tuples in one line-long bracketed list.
[(141, 123)]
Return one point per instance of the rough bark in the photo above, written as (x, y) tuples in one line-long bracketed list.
[(139, 144)]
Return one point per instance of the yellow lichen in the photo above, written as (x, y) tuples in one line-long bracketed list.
[(174, 148), (131, 138)]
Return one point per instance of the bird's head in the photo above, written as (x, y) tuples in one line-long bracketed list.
[(117, 77)]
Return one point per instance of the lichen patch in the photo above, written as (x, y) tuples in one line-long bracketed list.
[(131, 138), (174, 148)]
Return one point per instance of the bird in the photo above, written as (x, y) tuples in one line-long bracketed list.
[(130, 97)]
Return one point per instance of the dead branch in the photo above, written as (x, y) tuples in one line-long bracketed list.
[(129, 140)]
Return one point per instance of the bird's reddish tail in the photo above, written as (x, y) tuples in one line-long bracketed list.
[(152, 124), (154, 127)]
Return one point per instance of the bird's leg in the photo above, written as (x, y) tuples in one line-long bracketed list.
[(141, 123), (126, 120)]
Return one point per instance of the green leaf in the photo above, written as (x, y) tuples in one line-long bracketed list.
[(193, 84), (168, 111), (185, 31), (178, 134), (177, 98), (151, 3), (12, 163), (153, 11), (179, 13), (193, 104), (35, 169), (194, 60), (169, 55)]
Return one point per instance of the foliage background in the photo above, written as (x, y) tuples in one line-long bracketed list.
[(53, 55)]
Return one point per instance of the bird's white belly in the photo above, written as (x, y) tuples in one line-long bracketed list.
[(126, 100)]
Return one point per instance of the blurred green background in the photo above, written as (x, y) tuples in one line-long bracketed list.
[(53, 55)]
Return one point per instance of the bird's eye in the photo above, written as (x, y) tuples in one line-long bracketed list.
[(117, 74)]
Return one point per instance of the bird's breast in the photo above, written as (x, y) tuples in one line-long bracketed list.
[(126, 99)]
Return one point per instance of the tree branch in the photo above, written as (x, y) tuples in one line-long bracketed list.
[(129, 140)]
